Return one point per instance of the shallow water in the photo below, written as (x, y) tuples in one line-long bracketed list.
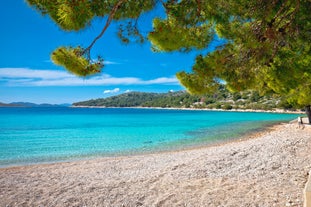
[(36, 135)]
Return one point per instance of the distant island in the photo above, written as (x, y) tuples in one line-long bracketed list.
[(221, 99), (28, 104)]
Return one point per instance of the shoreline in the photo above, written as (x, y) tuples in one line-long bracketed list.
[(265, 169), (221, 143), (254, 133), (196, 109)]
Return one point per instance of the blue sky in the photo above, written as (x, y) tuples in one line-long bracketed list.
[(27, 74)]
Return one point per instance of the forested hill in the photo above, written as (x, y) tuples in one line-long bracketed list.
[(135, 99), (222, 99)]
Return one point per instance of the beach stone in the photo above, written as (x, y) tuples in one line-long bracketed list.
[(307, 192)]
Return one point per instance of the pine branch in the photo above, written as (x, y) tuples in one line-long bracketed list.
[(108, 22)]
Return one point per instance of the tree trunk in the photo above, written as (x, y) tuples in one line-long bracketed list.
[(308, 112)]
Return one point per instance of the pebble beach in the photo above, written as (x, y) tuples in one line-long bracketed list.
[(269, 168)]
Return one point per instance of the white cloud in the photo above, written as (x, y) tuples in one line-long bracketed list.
[(107, 62), (116, 90), (162, 80), (34, 77), (31, 73)]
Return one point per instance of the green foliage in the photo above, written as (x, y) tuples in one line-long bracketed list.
[(168, 35), (129, 9), (218, 105), (267, 45), (255, 96), (131, 99), (227, 106), (75, 15), (221, 99), (75, 62), (236, 96), (68, 14)]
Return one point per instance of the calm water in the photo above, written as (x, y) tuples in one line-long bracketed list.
[(34, 135)]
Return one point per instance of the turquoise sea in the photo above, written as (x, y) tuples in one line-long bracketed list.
[(37, 135)]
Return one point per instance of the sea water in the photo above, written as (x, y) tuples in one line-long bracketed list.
[(37, 135)]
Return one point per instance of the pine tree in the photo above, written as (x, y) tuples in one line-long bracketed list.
[(266, 48)]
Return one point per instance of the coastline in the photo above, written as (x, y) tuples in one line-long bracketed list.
[(198, 109), (265, 169), (197, 135), (156, 150)]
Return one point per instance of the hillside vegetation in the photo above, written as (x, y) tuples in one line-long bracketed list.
[(222, 99)]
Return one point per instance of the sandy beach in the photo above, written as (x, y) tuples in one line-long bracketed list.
[(269, 169)]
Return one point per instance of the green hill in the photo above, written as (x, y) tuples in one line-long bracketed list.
[(222, 99)]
